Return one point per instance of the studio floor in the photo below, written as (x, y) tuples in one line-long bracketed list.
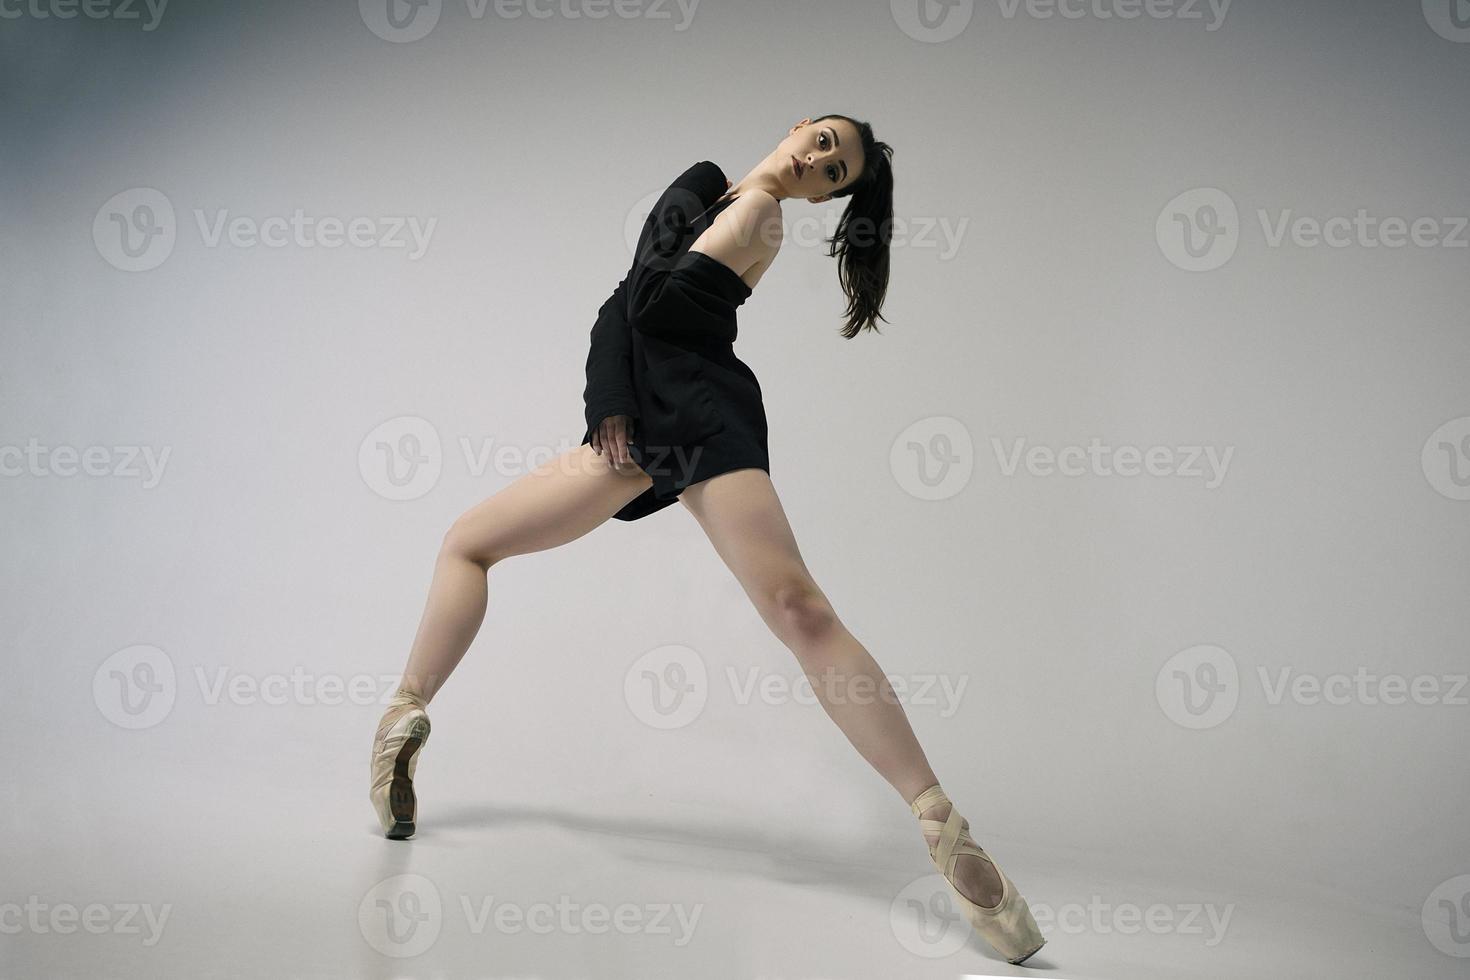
[(297, 882)]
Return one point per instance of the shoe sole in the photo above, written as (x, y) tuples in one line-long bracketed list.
[(1023, 959), (402, 803)]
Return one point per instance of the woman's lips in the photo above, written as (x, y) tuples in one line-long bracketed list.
[(796, 167)]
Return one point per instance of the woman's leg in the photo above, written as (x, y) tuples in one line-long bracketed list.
[(557, 502), (743, 518)]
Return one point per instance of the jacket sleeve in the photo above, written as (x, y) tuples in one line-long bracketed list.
[(609, 389), (659, 295)]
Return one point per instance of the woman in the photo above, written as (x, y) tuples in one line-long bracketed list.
[(672, 414)]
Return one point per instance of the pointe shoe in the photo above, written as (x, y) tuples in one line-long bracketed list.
[(1009, 926), (403, 730)]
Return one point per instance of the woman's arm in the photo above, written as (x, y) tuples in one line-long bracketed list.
[(609, 389), (609, 369)]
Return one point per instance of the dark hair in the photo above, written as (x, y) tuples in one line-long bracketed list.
[(863, 233)]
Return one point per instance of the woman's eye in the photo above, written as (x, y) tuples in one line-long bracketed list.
[(822, 140), (832, 174)]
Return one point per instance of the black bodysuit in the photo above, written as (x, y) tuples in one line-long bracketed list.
[(663, 353)]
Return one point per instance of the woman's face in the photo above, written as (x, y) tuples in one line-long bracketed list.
[(816, 159)]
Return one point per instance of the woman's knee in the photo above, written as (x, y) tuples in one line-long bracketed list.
[(800, 613), (468, 539)]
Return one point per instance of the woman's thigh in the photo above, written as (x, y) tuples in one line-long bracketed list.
[(744, 520), (557, 502)]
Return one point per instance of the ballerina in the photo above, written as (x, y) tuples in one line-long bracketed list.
[(672, 414)]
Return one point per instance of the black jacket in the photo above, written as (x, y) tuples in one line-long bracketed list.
[(678, 302)]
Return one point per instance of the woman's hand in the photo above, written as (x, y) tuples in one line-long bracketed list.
[(613, 433)]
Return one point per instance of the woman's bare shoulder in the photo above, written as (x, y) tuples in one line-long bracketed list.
[(756, 216)]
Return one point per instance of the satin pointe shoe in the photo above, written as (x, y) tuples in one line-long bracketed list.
[(403, 730), (1009, 926)]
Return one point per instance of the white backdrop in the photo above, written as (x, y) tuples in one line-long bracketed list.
[(1105, 240)]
